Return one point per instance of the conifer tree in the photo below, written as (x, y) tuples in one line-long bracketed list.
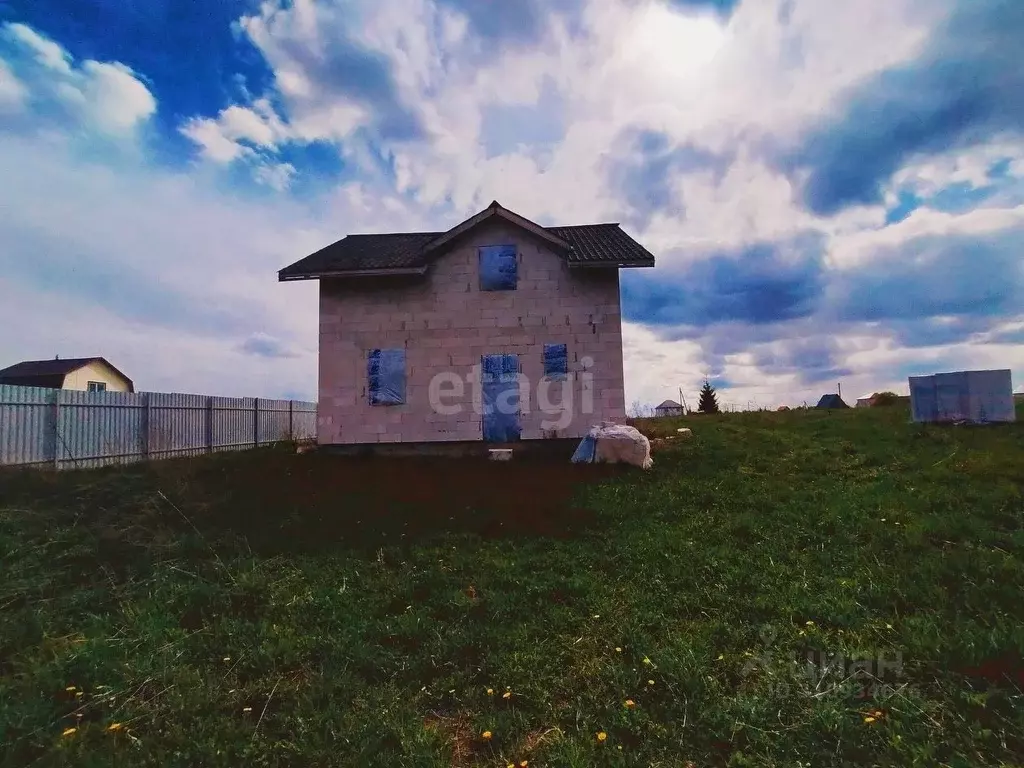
[(708, 400)]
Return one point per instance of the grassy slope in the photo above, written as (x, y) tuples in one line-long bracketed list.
[(763, 537)]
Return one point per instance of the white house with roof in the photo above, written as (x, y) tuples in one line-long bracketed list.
[(668, 408)]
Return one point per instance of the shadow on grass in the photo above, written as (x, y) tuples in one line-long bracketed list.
[(278, 501)]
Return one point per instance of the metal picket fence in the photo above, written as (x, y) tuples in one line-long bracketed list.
[(70, 429)]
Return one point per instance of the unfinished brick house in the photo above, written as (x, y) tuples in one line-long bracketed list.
[(497, 330)]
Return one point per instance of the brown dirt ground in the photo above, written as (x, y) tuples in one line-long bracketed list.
[(281, 500)]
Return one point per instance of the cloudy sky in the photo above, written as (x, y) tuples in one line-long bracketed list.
[(834, 191)]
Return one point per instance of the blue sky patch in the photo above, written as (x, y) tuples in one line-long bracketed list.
[(760, 284), (649, 167), (188, 53), (968, 85)]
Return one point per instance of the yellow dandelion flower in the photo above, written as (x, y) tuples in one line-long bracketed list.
[(70, 689), (69, 731), (115, 727), (507, 695), (618, 650), (650, 682), (629, 704), (226, 658), (869, 719), (247, 709), (602, 737), (619, 747), (79, 694), (720, 657), (597, 615), (486, 735), (810, 623), (490, 691), (646, 660)]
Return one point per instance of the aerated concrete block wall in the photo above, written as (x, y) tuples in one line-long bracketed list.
[(446, 323)]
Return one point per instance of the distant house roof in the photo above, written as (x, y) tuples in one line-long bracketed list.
[(831, 401), (667, 404), (588, 245), (51, 373)]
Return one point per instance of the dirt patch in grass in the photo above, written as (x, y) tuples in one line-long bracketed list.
[(279, 501), (317, 500), (457, 733)]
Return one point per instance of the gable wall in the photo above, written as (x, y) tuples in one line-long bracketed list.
[(445, 324), (95, 371)]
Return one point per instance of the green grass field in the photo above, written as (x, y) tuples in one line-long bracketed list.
[(268, 608)]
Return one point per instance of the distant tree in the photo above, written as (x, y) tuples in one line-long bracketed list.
[(708, 399), (639, 410), (884, 398)]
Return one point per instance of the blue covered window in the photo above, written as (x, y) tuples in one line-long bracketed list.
[(385, 371), (556, 361), (498, 268)]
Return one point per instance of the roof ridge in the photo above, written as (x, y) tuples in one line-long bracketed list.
[(584, 226), (389, 234), (441, 232)]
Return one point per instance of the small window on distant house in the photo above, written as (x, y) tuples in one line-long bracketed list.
[(498, 268), (97, 386), (556, 361), (385, 370)]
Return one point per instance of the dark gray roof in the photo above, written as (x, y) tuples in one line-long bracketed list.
[(588, 245), (51, 373), (601, 244), (364, 253), (668, 404), (831, 401)]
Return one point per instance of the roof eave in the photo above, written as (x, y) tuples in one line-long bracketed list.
[(287, 278), (610, 264)]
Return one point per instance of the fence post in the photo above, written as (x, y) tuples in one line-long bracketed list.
[(56, 429), (209, 424), (256, 422), (147, 414), (291, 421)]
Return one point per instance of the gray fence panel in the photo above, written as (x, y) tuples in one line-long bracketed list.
[(26, 425), (177, 425), (65, 428), (304, 420), (98, 428), (233, 419), (274, 421)]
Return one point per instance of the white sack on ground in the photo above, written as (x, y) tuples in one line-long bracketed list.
[(615, 444)]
